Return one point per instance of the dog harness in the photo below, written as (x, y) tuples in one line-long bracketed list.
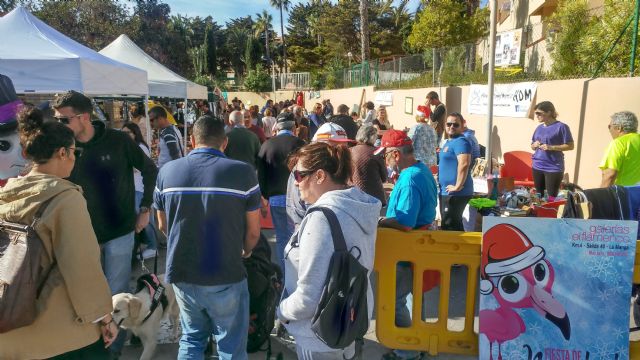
[(156, 291)]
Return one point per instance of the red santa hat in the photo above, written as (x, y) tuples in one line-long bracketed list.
[(506, 250)]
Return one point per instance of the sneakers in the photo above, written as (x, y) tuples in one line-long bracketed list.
[(148, 254)]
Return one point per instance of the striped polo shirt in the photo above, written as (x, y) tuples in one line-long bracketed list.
[(206, 197)]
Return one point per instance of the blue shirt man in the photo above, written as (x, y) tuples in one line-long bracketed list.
[(209, 207), (412, 205)]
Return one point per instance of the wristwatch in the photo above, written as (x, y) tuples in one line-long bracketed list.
[(144, 209)]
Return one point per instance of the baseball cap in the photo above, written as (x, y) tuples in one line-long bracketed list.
[(393, 138), (331, 132)]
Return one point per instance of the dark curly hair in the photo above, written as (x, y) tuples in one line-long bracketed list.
[(39, 139)]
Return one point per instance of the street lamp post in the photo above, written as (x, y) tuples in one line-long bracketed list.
[(349, 55)]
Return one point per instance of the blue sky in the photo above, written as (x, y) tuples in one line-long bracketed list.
[(223, 10)]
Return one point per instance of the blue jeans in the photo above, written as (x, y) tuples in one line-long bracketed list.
[(283, 233), (404, 303), (149, 230), (116, 262), (221, 310)]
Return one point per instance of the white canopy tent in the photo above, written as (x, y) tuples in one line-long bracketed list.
[(162, 81), (39, 59)]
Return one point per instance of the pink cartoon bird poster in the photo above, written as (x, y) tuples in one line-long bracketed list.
[(555, 288)]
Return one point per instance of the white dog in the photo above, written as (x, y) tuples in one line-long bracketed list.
[(129, 311)]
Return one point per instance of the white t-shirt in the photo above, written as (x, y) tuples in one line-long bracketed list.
[(137, 175), (267, 123)]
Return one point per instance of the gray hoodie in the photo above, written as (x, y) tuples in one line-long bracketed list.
[(307, 265)]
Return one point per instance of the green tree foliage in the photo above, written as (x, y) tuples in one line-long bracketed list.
[(258, 80), (579, 38), (443, 23)]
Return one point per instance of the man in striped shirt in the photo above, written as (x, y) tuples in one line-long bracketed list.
[(170, 146), (208, 205)]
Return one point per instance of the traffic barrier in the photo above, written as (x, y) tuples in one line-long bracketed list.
[(432, 252)]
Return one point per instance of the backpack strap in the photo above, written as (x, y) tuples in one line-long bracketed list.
[(339, 244), (54, 262)]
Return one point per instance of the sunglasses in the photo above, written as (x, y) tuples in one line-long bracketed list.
[(455, 125), (65, 119), (299, 175), (76, 151)]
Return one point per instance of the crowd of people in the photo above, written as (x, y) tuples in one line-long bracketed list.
[(102, 187)]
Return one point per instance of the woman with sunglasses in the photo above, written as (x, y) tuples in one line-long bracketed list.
[(322, 173), (548, 142), (74, 318), (456, 185)]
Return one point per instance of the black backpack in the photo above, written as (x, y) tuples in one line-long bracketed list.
[(342, 316), (264, 280)]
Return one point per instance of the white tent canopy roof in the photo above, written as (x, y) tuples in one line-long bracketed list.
[(39, 59), (162, 81)]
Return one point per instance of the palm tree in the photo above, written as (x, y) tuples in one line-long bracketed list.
[(364, 30), (263, 25), (282, 5)]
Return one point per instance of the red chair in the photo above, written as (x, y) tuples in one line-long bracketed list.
[(265, 221), (517, 164)]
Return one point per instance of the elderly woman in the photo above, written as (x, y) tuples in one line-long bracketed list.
[(425, 139), (74, 319), (322, 173), (550, 139), (456, 185), (369, 170)]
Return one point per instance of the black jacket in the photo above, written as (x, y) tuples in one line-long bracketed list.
[(347, 124), (273, 172), (104, 169)]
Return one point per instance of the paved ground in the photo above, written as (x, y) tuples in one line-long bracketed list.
[(168, 348)]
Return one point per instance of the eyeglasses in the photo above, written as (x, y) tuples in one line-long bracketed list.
[(389, 153), (65, 119), (299, 175), (454, 125), (611, 126), (539, 113)]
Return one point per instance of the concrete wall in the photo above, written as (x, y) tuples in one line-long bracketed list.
[(585, 105)]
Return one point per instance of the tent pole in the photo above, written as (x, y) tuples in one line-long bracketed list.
[(147, 123), (186, 125)]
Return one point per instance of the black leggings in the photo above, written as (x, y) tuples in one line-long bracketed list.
[(451, 209), (549, 181), (94, 351)]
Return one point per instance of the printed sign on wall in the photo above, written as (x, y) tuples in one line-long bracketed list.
[(512, 100), (508, 47), (555, 288), (384, 98)]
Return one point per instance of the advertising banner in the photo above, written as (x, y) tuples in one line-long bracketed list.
[(555, 288), (509, 100)]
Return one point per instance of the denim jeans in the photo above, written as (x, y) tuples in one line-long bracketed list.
[(404, 303), (116, 262), (283, 233), (221, 310), (149, 230)]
